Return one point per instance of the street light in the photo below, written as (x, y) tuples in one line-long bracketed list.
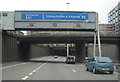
[(67, 31), (67, 10), (68, 5)]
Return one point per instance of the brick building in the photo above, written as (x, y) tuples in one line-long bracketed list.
[(114, 18), (105, 28)]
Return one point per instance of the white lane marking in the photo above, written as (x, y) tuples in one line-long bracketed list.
[(73, 70), (30, 73), (24, 78), (34, 71), (16, 65), (13, 65)]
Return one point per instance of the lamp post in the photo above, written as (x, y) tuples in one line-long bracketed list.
[(67, 31), (68, 5)]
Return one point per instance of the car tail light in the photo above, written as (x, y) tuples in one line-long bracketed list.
[(118, 65), (97, 60), (96, 66)]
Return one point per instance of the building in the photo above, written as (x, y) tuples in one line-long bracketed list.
[(114, 18), (105, 28), (0, 19)]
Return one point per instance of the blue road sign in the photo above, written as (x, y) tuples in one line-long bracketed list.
[(65, 16), (32, 16), (54, 16)]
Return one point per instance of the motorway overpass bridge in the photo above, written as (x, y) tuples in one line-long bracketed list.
[(69, 37), (20, 47), (51, 20)]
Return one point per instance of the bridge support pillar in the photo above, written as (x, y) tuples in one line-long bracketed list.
[(119, 52), (80, 52), (24, 51), (1, 55)]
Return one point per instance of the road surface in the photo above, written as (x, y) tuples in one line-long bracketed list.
[(49, 68)]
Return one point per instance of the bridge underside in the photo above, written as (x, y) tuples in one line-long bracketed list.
[(16, 48), (68, 37)]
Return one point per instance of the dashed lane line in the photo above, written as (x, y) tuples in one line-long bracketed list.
[(73, 70), (26, 77), (30, 73), (34, 71)]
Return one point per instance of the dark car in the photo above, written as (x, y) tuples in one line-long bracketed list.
[(70, 59), (101, 64)]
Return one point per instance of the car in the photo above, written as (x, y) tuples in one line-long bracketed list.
[(100, 64), (55, 56), (87, 59), (70, 59)]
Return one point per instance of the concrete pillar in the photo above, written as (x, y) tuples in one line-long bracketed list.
[(24, 51), (3, 48), (119, 52), (80, 52), (0, 47), (6, 50)]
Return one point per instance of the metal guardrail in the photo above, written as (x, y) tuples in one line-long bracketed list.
[(65, 34), (76, 34)]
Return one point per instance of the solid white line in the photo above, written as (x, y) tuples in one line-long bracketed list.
[(73, 70), (13, 65)]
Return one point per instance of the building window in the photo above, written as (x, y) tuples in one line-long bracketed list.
[(4, 14)]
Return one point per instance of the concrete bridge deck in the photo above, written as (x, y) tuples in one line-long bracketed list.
[(68, 37)]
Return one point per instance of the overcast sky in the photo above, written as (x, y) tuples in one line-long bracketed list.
[(101, 6)]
